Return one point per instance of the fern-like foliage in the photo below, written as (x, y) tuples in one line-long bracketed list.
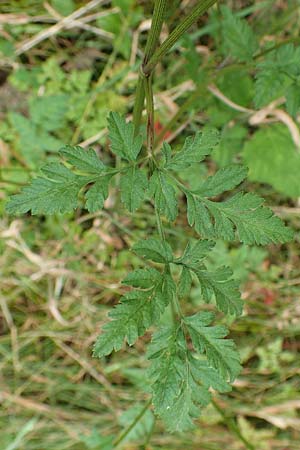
[(137, 311), (191, 355), (180, 378)]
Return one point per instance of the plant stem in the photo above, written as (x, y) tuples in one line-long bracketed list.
[(156, 26), (176, 34), (150, 114), (152, 41), (152, 56), (232, 426), (125, 433), (138, 104)]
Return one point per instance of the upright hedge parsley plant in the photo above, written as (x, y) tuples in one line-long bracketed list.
[(192, 354)]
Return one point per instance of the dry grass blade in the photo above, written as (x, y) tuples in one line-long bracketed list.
[(79, 24), (261, 116), (52, 31)]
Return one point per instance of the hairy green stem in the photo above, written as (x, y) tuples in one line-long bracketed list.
[(152, 41), (150, 115), (152, 56), (125, 433), (156, 26), (176, 34), (138, 104)]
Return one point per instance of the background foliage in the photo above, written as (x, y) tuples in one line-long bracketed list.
[(60, 274)]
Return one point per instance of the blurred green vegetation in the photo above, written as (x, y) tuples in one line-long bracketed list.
[(60, 275)]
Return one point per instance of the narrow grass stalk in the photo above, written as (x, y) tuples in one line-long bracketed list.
[(125, 433), (232, 426)]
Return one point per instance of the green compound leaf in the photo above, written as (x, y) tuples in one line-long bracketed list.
[(180, 382), (194, 150), (136, 312), (239, 39), (121, 135), (134, 184), (223, 180), (57, 192), (164, 195), (155, 250), (242, 213), (84, 160), (223, 288), (221, 353)]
